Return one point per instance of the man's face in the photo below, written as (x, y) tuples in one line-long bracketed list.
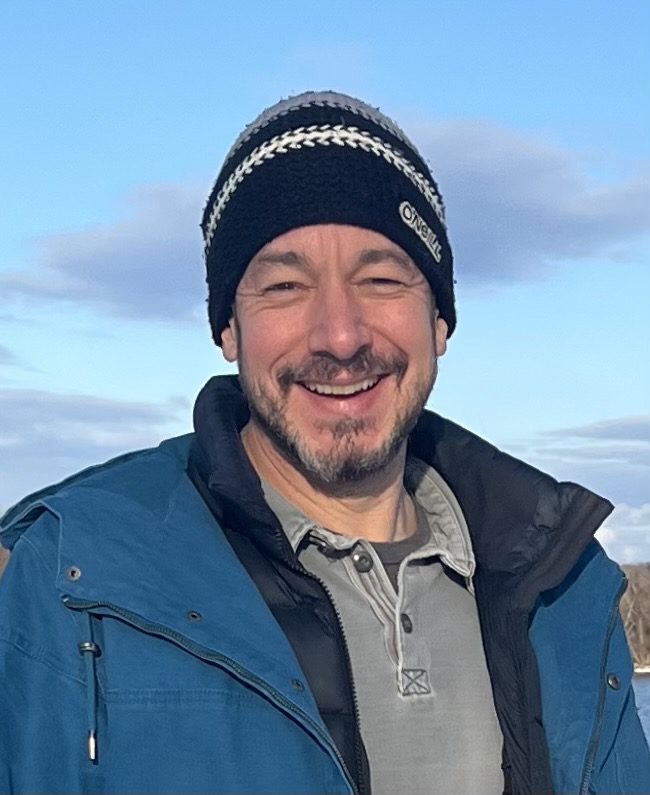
[(336, 338)]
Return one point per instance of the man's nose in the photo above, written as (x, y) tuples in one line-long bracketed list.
[(338, 325)]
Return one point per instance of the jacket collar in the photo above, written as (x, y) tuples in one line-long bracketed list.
[(521, 521)]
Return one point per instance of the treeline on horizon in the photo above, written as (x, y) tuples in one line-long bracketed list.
[(635, 609)]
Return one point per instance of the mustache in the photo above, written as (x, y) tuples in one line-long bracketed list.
[(326, 367)]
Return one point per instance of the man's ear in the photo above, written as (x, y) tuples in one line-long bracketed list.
[(441, 330), (230, 340)]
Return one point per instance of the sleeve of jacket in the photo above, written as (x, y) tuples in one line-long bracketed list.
[(42, 689)]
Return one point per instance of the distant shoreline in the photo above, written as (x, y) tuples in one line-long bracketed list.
[(642, 670)]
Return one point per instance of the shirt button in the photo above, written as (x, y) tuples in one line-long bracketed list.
[(362, 561), (407, 624), (613, 681)]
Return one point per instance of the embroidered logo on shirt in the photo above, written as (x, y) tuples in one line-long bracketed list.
[(415, 682)]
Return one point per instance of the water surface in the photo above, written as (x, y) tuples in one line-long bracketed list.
[(642, 689)]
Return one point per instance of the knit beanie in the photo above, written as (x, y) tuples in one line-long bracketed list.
[(322, 158)]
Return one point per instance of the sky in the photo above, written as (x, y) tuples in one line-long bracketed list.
[(534, 118)]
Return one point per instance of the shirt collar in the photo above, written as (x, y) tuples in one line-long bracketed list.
[(449, 536)]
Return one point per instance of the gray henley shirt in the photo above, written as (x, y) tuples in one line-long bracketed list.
[(411, 625)]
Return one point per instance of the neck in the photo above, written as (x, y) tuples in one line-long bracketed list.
[(377, 508)]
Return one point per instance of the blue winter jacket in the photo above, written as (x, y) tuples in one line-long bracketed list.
[(137, 656)]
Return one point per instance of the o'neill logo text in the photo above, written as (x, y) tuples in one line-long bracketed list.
[(412, 218)]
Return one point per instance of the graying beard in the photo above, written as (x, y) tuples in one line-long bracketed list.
[(341, 469)]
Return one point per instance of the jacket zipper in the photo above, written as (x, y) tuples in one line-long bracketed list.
[(590, 760), (363, 788), (224, 662), (284, 553)]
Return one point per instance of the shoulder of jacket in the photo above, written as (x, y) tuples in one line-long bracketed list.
[(145, 477)]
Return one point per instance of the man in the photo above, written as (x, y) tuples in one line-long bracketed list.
[(325, 588)]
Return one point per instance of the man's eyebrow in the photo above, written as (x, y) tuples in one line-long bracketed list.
[(373, 256), (280, 258)]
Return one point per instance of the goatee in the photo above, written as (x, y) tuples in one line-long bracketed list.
[(346, 460)]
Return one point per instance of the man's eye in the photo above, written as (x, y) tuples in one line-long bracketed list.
[(380, 282), (281, 287)]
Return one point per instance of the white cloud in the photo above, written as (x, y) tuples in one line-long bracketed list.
[(147, 265), (517, 205), (626, 534), (636, 429)]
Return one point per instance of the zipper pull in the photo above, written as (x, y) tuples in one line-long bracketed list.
[(92, 746), (89, 650)]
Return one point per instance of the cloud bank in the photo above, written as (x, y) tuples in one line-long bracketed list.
[(148, 265), (622, 429), (626, 534), (6, 356), (516, 206), (45, 437), (611, 457)]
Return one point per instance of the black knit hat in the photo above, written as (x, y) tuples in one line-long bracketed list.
[(321, 158)]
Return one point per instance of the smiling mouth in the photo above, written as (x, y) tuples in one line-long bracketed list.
[(341, 390)]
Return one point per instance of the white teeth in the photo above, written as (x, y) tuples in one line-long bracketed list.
[(332, 389)]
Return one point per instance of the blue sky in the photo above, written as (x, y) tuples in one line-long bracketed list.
[(534, 117)]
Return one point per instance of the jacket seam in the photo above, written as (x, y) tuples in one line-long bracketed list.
[(26, 540), (16, 645)]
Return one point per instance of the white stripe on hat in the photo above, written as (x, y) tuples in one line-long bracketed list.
[(318, 135)]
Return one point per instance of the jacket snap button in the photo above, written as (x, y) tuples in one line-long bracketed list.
[(73, 573), (362, 561), (613, 681), (297, 685), (407, 624), (194, 615)]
